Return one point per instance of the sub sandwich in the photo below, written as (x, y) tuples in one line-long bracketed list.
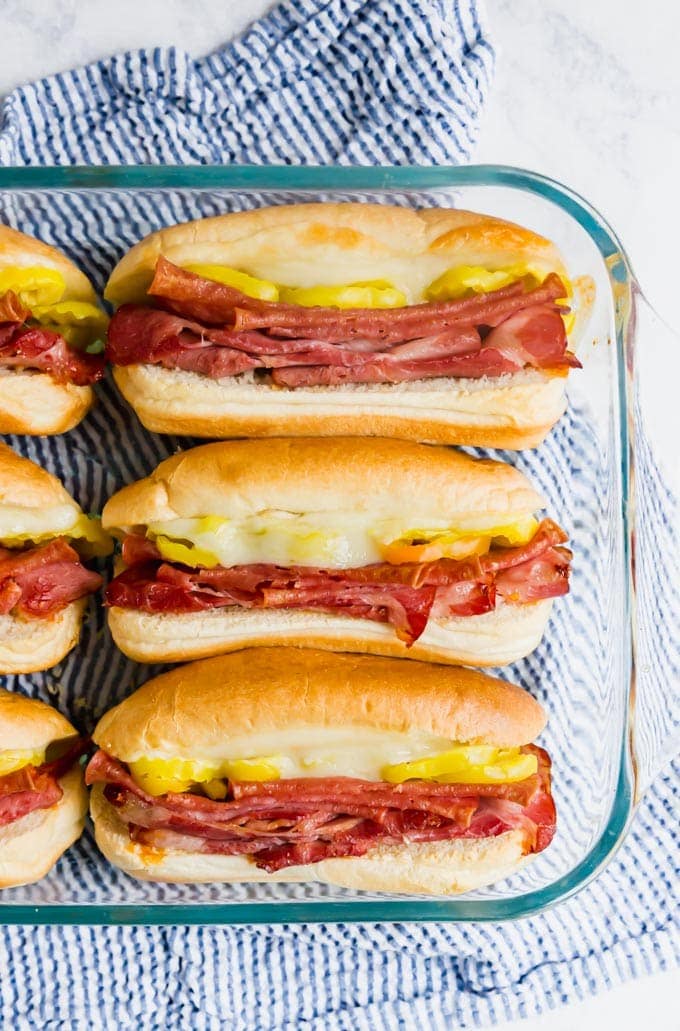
[(45, 538), (51, 338), (438, 325), (296, 765), (43, 801), (350, 544)]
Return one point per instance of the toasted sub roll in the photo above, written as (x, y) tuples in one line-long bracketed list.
[(49, 317), (44, 584), (490, 377), (380, 546), (296, 765), (43, 801)]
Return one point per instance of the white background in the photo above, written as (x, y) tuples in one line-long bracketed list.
[(586, 91)]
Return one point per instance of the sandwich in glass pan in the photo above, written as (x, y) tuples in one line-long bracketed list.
[(337, 308)]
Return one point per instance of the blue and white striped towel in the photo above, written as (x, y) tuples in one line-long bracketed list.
[(363, 67)]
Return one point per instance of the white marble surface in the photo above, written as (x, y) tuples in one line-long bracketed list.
[(587, 92)]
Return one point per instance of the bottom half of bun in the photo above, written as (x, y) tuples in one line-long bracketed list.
[(30, 847), (514, 411), (493, 639), (429, 868), (30, 645), (34, 403)]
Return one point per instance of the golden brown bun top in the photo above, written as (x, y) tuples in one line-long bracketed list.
[(383, 477), (28, 485), (28, 724), (19, 250), (334, 244), (198, 708)]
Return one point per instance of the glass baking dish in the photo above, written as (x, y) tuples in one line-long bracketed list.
[(583, 670)]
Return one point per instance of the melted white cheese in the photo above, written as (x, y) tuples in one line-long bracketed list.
[(18, 520), (337, 540), (324, 751)]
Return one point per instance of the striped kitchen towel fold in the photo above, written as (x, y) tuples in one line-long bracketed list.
[(342, 81), (322, 81)]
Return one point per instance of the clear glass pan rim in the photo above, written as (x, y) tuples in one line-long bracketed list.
[(385, 178)]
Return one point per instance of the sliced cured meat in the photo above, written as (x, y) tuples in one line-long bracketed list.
[(139, 333), (298, 821), (298, 817), (486, 362), (25, 791), (136, 549), (403, 595), (447, 344), (36, 787), (397, 324), (532, 336), (199, 298), (167, 588), (40, 581), (217, 304), (312, 792), (214, 330), (26, 347), (545, 576), (213, 362), (537, 341), (159, 338)]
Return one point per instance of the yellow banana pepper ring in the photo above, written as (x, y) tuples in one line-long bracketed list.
[(377, 294), (12, 761), (250, 769), (250, 285), (456, 282), (33, 285), (159, 776), (401, 551), (89, 529), (467, 764), (185, 554), (67, 313)]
